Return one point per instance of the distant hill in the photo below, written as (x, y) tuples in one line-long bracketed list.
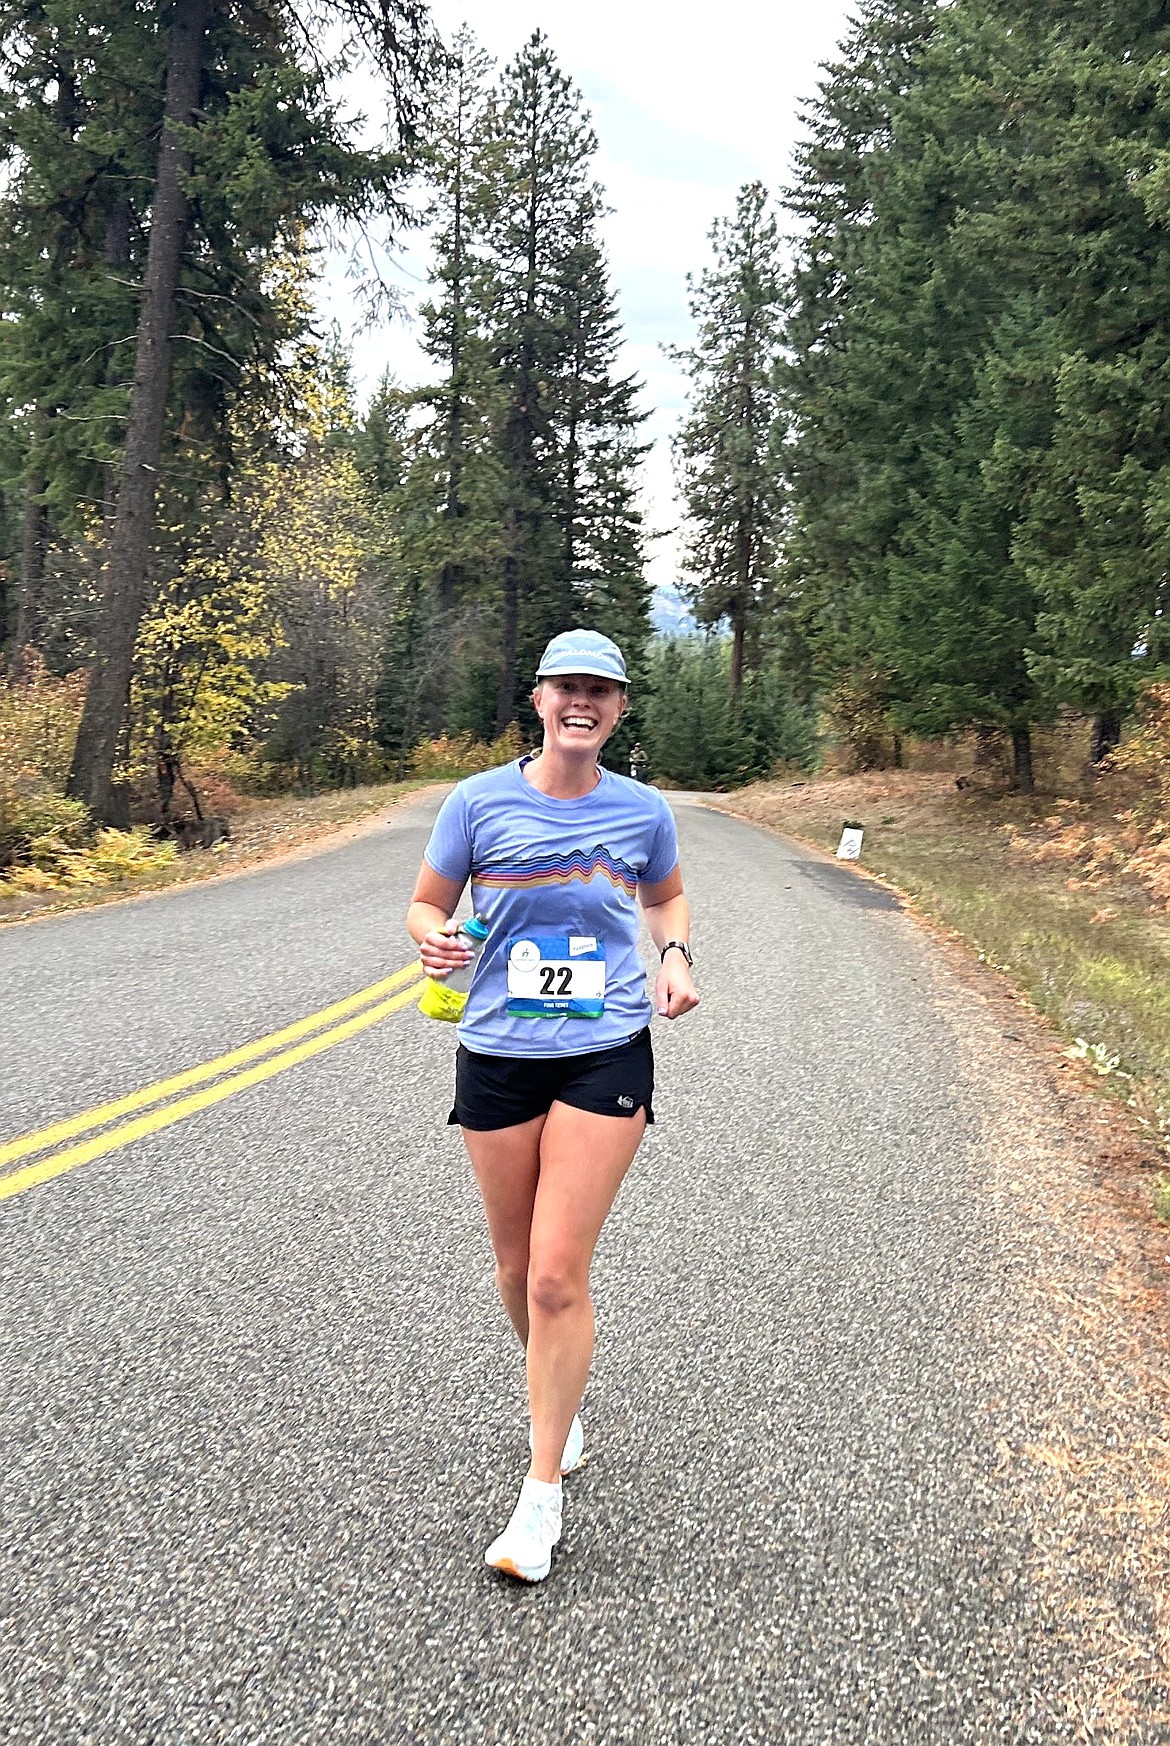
[(669, 614)]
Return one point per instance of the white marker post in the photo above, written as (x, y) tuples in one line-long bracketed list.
[(849, 848)]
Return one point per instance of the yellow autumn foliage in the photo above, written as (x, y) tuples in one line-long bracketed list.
[(38, 727), (451, 757), (58, 865)]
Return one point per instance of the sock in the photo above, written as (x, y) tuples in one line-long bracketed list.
[(543, 1488)]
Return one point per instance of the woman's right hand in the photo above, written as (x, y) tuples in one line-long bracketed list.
[(441, 952)]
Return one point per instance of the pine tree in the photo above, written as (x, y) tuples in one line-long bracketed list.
[(437, 668), (450, 336), (533, 176), (978, 345), (902, 538), (597, 422), (78, 102), (698, 736), (251, 148), (517, 512), (108, 695), (847, 456), (572, 530), (1089, 213), (727, 451), (449, 506)]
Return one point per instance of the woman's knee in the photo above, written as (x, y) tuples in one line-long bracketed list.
[(553, 1289), (512, 1274)]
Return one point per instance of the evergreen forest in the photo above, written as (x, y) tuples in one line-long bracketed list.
[(923, 474), (927, 465)]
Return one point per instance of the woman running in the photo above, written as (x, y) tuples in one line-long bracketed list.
[(554, 1076)]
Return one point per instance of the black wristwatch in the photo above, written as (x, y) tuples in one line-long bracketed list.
[(677, 946)]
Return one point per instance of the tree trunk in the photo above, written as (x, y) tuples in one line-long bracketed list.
[(571, 461), (127, 564), (506, 701), (116, 254), (1104, 735), (449, 575), (519, 442), (116, 240), (739, 604), (738, 632), (1022, 758), (576, 315), (189, 786), (32, 573), (165, 773), (9, 589)]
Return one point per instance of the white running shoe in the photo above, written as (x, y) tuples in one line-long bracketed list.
[(524, 1549), (573, 1453)]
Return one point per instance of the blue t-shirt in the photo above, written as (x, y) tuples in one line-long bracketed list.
[(557, 882)]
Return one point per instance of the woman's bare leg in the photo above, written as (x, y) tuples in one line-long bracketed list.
[(506, 1162), (583, 1158)]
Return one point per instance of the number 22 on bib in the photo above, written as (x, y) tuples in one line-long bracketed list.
[(556, 976)]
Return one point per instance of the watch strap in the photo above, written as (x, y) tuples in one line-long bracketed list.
[(678, 945)]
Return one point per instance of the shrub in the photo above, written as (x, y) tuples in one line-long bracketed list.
[(58, 865), (118, 854), (353, 758), (1147, 752), (28, 819), (451, 757), (858, 715), (38, 727)]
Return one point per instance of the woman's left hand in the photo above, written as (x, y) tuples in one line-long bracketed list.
[(675, 991)]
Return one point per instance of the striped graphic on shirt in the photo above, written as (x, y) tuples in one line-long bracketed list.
[(539, 870)]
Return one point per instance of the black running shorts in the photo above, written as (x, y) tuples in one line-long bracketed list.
[(498, 1091)]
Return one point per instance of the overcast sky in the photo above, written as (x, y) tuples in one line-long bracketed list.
[(688, 102)]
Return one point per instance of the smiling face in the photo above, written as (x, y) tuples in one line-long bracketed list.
[(578, 712)]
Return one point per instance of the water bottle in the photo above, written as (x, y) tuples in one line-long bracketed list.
[(446, 1000)]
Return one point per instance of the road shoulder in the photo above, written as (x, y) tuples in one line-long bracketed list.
[(1072, 1171)]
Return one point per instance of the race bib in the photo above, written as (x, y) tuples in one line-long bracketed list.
[(556, 976)]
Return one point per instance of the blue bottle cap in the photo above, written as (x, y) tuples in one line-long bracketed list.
[(476, 927)]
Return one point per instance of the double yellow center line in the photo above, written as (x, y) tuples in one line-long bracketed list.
[(227, 1073)]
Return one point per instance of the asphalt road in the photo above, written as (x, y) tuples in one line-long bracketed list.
[(261, 1411)]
